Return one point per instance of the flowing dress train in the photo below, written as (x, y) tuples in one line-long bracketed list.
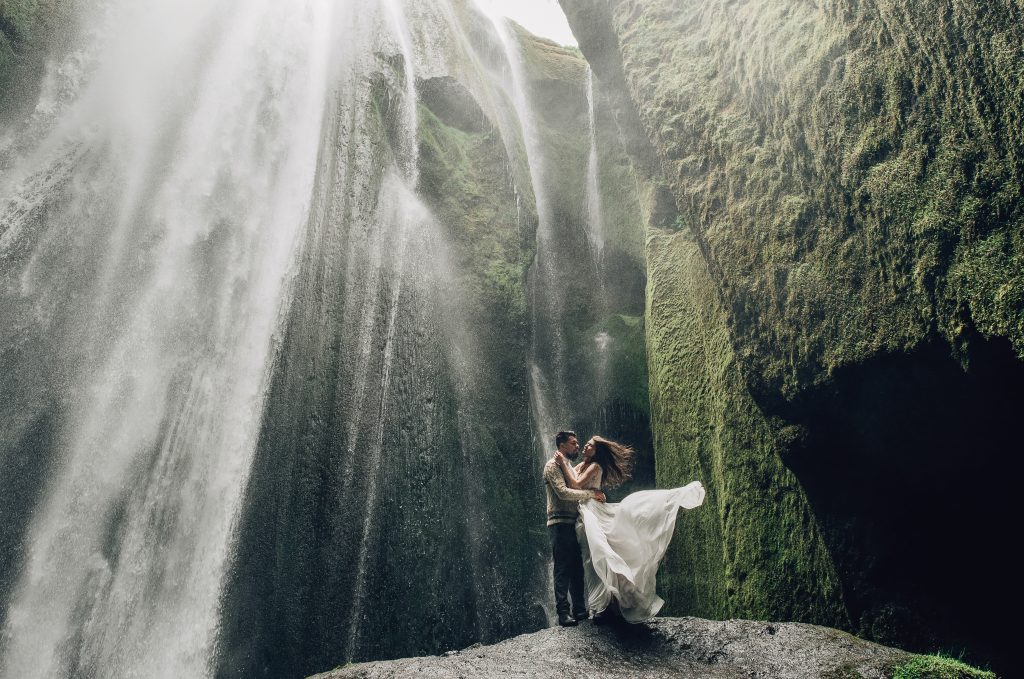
[(623, 544)]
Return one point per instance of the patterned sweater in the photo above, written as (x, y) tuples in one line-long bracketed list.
[(563, 501)]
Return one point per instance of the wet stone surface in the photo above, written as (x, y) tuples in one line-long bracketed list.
[(666, 647)]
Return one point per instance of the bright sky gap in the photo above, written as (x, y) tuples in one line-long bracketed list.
[(541, 17)]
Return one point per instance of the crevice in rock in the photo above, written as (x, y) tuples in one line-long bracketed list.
[(912, 466)]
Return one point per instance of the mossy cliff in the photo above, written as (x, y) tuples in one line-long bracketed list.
[(851, 169), (755, 550), (373, 528), (849, 176)]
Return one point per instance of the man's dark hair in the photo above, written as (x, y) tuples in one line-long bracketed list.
[(563, 436)]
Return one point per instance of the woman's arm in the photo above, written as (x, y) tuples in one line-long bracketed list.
[(572, 479), (556, 479)]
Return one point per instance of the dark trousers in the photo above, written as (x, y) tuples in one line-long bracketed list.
[(565, 550)]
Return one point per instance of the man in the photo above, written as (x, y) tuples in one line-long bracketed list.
[(563, 508)]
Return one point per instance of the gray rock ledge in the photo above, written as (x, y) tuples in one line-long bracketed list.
[(665, 647)]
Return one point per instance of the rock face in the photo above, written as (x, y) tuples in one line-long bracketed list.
[(397, 469), (834, 318), (30, 30), (670, 647)]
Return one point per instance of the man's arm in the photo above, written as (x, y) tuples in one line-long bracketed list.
[(553, 475)]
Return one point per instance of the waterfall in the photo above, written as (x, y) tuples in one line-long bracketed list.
[(275, 391), (550, 397), (595, 238), (385, 523), (398, 191), (595, 220), (189, 201)]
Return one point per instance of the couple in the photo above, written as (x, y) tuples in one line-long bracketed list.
[(614, 549)]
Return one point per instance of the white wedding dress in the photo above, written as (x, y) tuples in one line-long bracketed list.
[(623, 544)]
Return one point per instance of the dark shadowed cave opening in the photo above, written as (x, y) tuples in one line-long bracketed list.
[(912, 464)]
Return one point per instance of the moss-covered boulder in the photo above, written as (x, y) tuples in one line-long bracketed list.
[(938, 667)]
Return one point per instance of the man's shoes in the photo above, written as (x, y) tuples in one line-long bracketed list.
[(581, 616), (566, 620)]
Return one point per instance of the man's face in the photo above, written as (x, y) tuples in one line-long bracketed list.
[(570, 448)]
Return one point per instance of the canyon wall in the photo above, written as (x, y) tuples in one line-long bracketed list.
[(835, 318)]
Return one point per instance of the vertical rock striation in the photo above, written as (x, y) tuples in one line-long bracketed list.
[(395, 506)]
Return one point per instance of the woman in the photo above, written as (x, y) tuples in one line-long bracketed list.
[(623, 543)]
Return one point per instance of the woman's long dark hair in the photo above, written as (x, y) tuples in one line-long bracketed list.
[(615, 460)]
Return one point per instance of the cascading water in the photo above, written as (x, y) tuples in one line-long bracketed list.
[(586, 286), (189, 201), (270, 374), (398, 190), (595, 237), (550, 401), (595, 219), (389, 531)]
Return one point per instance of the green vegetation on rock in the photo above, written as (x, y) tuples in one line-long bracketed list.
[(938, 667), (753, 549), (846, 176), (853, 171), (17, 19), (464, 176)]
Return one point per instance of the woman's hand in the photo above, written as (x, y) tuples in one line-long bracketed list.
[(560, 459)]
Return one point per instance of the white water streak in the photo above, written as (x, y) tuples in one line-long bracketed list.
[(406, 215), (128, 550), (544, 264), (595, 220)]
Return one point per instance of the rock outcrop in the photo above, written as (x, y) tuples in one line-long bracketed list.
[(668, 647)]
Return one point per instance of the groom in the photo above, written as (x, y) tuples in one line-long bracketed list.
[(563, 508)]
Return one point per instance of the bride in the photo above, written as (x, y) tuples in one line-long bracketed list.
[(623, 543)]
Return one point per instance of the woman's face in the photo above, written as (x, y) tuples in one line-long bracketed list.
[(589, 450)]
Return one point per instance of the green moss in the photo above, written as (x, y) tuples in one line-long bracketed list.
[(547, 60), (753, 549), (6, 56), (22, 38), (989, 277), (938, 667), (844, 168), (17, 20), (463, 176)]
